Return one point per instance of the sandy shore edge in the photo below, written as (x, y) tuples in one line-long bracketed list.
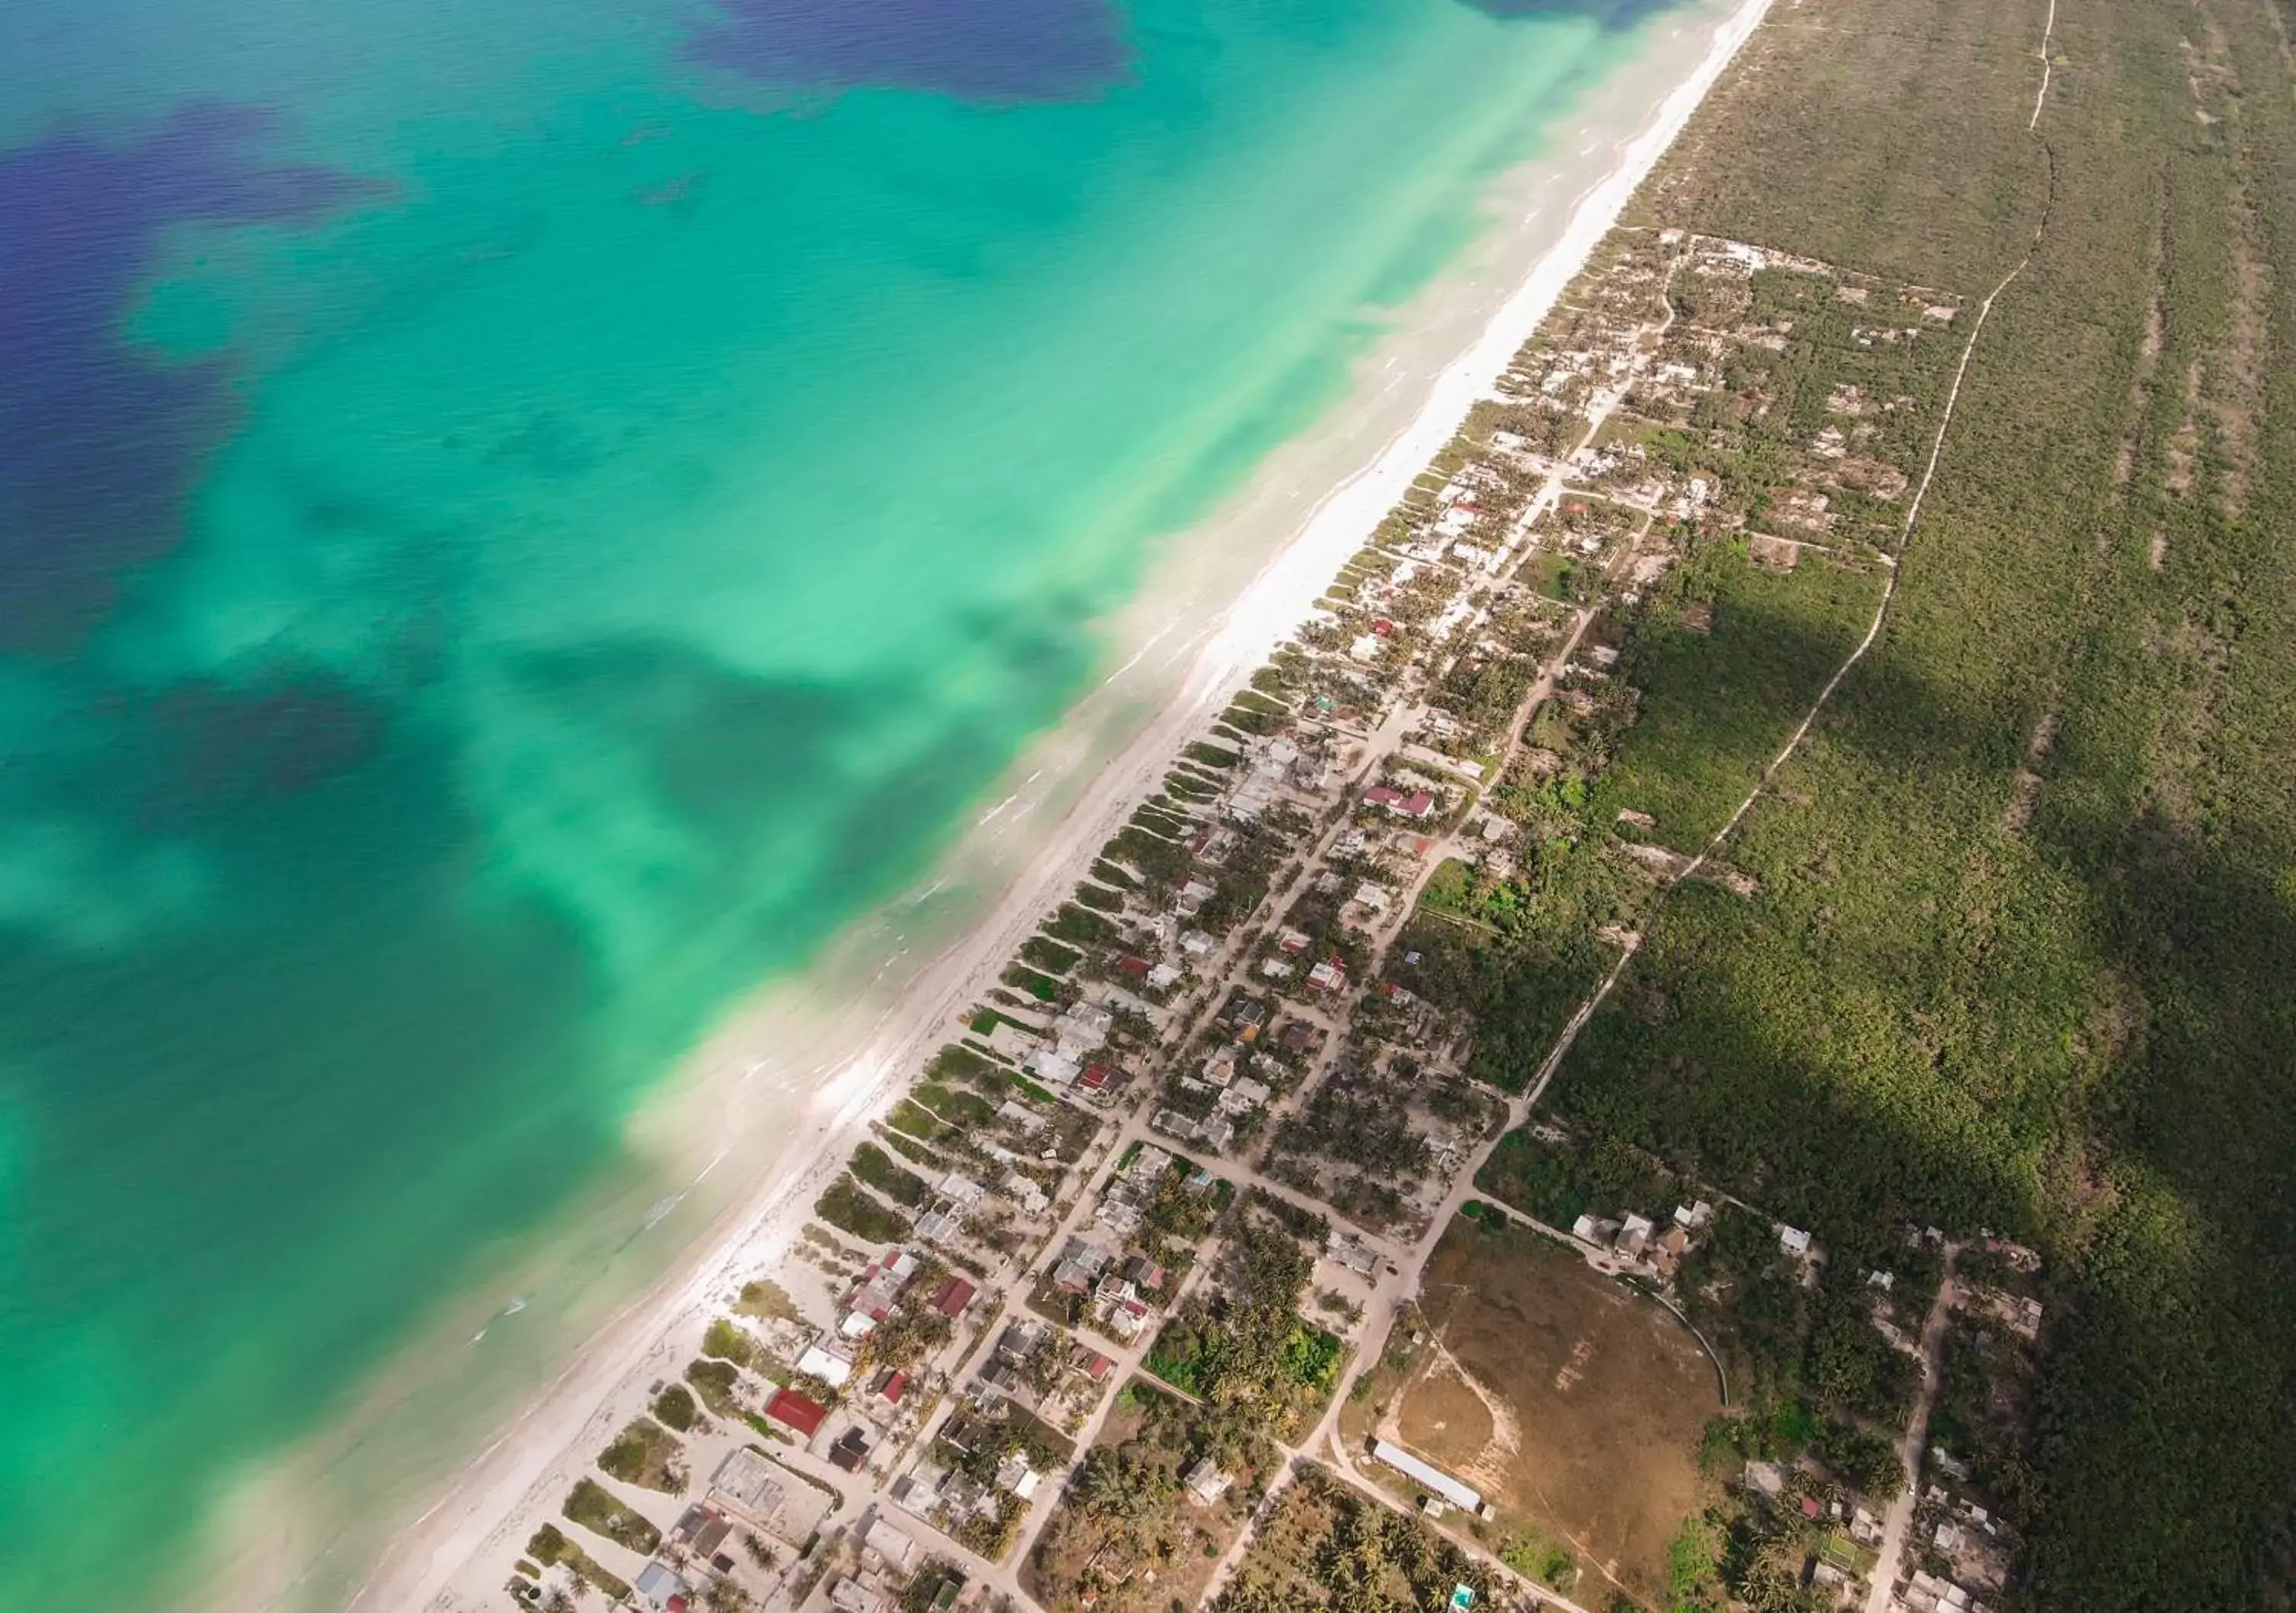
[(447, 1557)]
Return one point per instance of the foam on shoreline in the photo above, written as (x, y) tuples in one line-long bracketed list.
[(779, 1096)]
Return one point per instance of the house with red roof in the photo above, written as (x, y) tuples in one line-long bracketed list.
[(796, 1412), (954, 1295)]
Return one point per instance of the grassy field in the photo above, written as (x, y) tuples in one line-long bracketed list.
[(1575, 1407), (2021, 948)]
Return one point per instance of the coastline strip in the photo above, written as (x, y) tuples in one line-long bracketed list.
[(533, 1454)]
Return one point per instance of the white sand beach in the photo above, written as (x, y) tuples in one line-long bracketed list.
[(767, 1110)]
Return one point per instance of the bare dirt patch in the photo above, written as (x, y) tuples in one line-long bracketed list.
[(1601, 1394), (1778, 554)]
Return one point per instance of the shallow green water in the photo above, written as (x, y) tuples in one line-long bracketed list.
[(519, 535)]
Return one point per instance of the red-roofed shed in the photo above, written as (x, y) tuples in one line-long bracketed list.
[(954, 1295), (806, 1416), (893, 1386)]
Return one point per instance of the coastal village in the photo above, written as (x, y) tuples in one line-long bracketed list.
[(1227, 1254)]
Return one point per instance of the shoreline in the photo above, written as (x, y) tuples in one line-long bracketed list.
[(428, 1562)]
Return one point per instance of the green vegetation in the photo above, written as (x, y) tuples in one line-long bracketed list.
[(1211, 754), (1099, 899), (953, 1063), (915, 1151), (1162, 862), (675, 1407), (1125, 1510), (848, 1209), (729, 1341), (1326, 1546), (1109, 873), (1726, 657), (908, 1117), (2017, 950), (646, 1453), (961, 1109), (1050, 955), (1247, 1347), (1082, 927), (600, 1510), (715, 1381), (1560, 1183), (767, 1300), (550, 1546), (1043, 988), (875, 1166)]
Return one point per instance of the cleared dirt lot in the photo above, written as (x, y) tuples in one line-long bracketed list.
[(1575, 1404)]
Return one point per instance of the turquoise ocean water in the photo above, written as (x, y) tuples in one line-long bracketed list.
[(516, 521)]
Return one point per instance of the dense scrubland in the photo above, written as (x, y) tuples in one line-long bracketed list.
[(2018, 949)]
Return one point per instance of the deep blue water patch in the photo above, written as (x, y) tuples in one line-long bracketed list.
[(105, 436), (1615, 14), (992, 51)]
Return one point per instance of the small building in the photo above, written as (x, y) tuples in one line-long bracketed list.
[(657, 1586), (1442, 1483), (1205, 1483), (1793, 1241), (820, 1359), (891, 1386), (1093, 1367), (1080, 1266), (748, 1483), (1297, 1036), (850, 1451), (896, 1548), (1015, 1477), (1127, 1319), (954, 1295), (1015, 1113), (851, 1596), (795, 1412), (1054, 1066), (1246, 1094), (1634, 1236)]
